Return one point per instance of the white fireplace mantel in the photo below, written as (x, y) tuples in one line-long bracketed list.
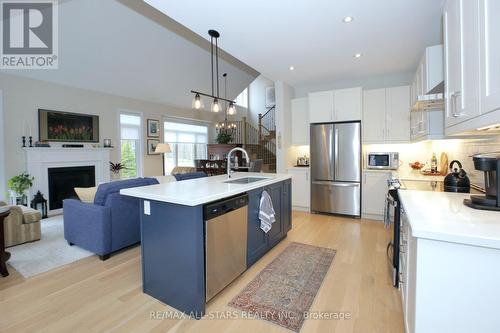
[(40, 159)]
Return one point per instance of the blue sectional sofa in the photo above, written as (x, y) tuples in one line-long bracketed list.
[(109, 224)]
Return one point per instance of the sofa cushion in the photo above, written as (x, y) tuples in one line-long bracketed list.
[(165, 179), (114, 187), (30, 215), (86, 194), (192, 175)]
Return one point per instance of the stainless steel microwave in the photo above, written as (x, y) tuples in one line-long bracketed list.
[(383, 161)]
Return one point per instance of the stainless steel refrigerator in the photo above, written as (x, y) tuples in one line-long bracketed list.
[(336, 168)]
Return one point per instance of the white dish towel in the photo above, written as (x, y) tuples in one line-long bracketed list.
[(266, 212)]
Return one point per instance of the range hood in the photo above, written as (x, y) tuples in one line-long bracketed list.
[(428, 83), (429, 102)]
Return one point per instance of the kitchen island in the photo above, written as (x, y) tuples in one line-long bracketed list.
[(173, 231), (449, 264)]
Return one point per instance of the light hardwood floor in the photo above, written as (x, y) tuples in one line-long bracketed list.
[(95, 296)]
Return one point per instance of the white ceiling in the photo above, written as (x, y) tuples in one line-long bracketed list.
[(272, 35), (127, 48)]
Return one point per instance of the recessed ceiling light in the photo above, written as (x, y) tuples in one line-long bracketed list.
[(357, 55), (348, 19), (291, 68)]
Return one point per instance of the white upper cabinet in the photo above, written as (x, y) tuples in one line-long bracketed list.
[(432, 68), (374, 121), (398, 113), (337, 105), (347, 104), (300, 121), (462, 72), (386, 115), (490, 54), (321, 107)]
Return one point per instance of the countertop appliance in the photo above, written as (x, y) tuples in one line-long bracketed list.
[(382, 160), (225, 243), (336, 168), (457, 180), (491, 167), (303, 161)]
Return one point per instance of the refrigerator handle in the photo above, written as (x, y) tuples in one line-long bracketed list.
[(336, 151)]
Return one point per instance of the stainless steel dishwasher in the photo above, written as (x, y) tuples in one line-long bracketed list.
[(225, 243)]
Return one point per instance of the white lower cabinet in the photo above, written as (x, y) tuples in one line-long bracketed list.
[(301, 187), (374, 192), (445, 286)]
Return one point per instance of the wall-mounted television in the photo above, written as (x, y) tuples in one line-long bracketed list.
[(61, 126)]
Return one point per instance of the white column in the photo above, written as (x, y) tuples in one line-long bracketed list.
[(284, 154)]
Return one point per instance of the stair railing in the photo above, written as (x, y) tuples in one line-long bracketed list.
[(267, 122)]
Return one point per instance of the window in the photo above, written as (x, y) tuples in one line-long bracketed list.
[(242, 99), (187, 141), (130, 144)]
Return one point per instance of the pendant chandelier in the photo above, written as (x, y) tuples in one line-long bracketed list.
[(226, 126), (216, 105)]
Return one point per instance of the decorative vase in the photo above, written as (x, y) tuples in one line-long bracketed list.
[(116, 175), (17, 199)]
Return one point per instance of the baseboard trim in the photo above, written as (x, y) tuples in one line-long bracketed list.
[(373, 217)]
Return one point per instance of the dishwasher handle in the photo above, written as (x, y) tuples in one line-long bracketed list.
[(218, 208)]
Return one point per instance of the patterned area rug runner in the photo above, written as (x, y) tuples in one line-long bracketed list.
[(286, 288)]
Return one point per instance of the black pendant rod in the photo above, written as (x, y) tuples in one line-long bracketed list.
[(225, 96), (217, 64), (212, 58)]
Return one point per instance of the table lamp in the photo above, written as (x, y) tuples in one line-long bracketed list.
[(163, 148)]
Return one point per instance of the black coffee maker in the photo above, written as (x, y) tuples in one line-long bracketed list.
[(491, 167)]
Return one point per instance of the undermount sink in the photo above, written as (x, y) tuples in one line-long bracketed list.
[(245, 180)]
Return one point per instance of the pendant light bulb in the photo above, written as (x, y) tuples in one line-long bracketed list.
[(215, 105), (197, 102), (231, 110)]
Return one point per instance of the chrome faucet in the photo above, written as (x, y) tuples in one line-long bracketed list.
[(229, 159)]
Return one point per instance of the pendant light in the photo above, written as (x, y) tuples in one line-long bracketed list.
[(216, 99), (231, 110), (215, 105), (197, 102)]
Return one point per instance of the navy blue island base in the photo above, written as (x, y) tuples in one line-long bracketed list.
[(173, 246)]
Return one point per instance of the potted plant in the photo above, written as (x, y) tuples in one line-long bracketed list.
[(223, 138), (116, 169), (18, 185)]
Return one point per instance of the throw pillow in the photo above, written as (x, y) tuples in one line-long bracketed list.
[(86, 194)]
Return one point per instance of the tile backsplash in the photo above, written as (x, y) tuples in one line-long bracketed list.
[(457, 149)]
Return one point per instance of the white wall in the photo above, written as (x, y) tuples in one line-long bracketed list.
[(257, 98), (3, 186), (372, 82), (23, 97), (284, 150)]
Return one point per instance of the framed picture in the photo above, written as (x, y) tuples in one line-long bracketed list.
[(61, 126), (152, 143), (270, 97), (153, 128)]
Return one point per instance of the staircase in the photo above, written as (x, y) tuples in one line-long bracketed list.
[(259, 141)]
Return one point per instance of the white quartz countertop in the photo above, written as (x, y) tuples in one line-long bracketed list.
[(199, 191), (443, 216)]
